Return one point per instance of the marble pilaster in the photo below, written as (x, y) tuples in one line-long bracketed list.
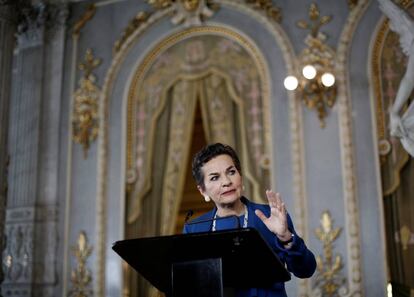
[(32, 219), (7, 29)]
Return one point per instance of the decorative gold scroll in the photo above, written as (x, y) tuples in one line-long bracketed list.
[(140, 18)]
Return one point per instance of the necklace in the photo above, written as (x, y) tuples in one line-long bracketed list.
[(245, 220)]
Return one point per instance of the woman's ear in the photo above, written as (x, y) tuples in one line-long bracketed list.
[(200, 189), (204, 194)]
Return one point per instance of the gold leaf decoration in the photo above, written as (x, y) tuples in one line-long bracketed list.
[(81, 276), (326, 19), (328, 277), (85, 113), (316, 20), (302, 24), (313, 12)]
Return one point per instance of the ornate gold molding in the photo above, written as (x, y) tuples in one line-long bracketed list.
[(175, 38), (328, 278), (140, 175), (189, 5), (81, 276), (375, 64), (189, 12), (85, 111), (133, 25), (273, 12), (86, 17)]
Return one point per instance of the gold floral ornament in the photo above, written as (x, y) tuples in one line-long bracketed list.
[(187, 12), (328, 278), (81, 276), (316, 86), (316, 21), (85, 112)]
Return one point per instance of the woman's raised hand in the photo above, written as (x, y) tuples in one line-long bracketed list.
[(277, 222)]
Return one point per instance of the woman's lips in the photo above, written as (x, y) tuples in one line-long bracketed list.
[(228, 192)]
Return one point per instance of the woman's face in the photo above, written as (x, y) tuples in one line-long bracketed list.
[(222, 180)]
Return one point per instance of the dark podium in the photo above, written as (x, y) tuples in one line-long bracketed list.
[(204, 264)]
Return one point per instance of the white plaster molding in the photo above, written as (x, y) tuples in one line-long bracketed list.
[(350, 193), (102, 146), (376, 141), (68, 194)]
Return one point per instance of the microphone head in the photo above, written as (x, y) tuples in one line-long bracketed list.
[(188, 215)]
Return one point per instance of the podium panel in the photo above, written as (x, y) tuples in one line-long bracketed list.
[(247, 261), (202, 278)]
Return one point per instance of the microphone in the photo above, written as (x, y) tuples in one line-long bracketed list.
[(215, 219), (188, 215)]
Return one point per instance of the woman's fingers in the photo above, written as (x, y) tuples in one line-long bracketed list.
[(261, 215), (271, 198), (275, 201)]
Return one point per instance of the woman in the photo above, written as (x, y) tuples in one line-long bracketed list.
[(217, 172)]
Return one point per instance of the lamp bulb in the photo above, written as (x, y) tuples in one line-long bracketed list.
[(291, 83), (309, 72), (328, 79)]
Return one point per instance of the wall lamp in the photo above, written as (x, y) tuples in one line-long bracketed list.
[(316, 86)]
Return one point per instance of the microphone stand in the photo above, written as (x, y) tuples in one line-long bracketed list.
[(216, 219)]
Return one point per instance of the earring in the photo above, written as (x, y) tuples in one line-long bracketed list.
[(207, 198)]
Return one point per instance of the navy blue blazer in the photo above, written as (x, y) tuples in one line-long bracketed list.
[(299, 259)]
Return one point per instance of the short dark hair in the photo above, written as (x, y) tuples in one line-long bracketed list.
[(206, 154)]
